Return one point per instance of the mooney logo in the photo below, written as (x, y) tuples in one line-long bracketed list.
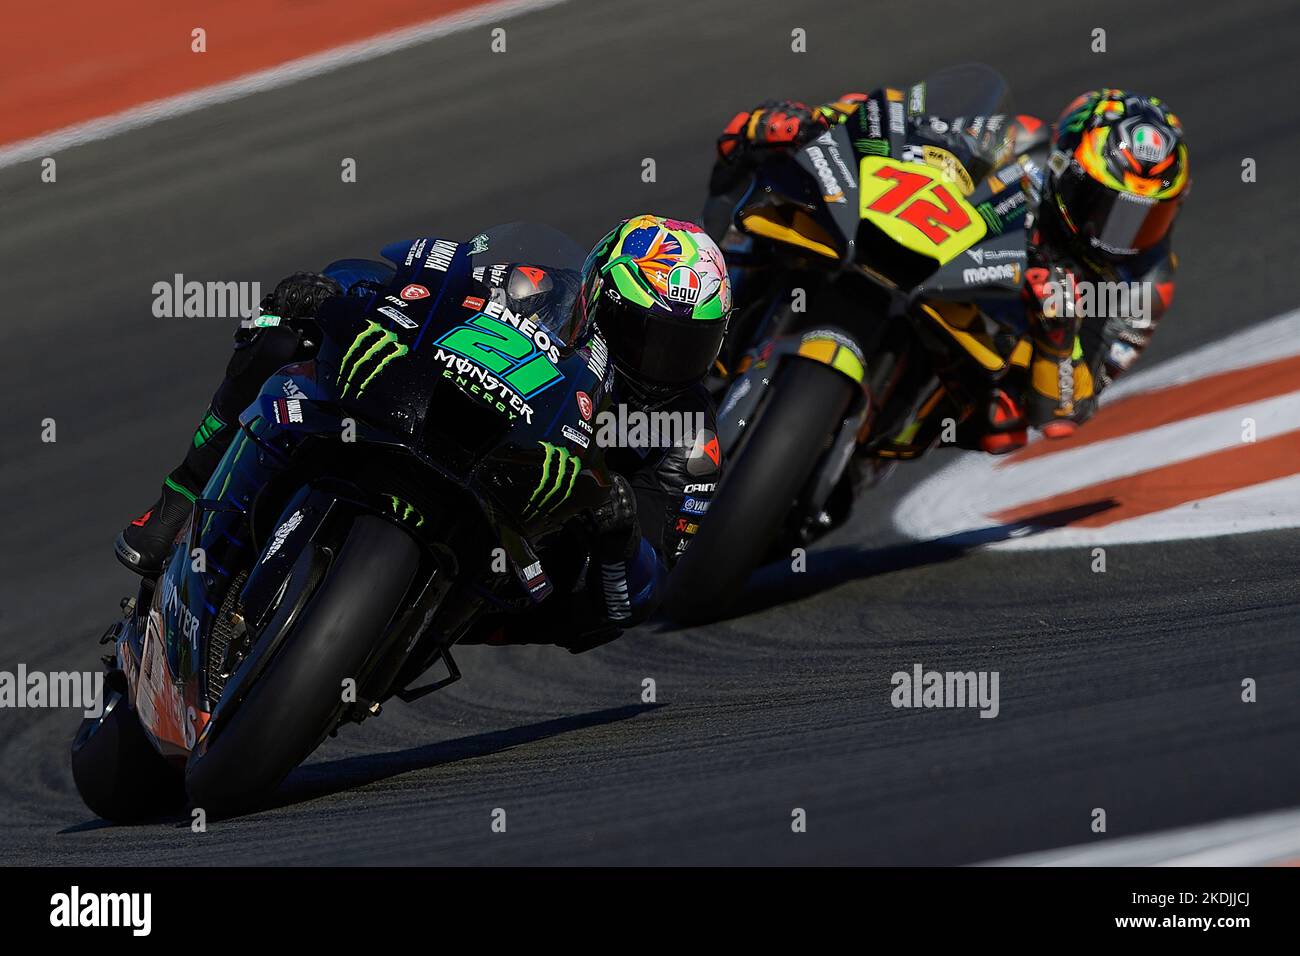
[(980, 274), (831, 191), (560, 483), (374, 344)]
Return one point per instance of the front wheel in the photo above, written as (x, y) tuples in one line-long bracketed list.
[(118, 773), (752, 506), (297, 699)]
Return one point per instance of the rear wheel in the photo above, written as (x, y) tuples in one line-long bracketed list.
[(752, 505), (298, 698)]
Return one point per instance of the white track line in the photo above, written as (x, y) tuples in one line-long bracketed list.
[(1138, 452), (271, 78), (1267, 341), (1255, 840), (963, 496)]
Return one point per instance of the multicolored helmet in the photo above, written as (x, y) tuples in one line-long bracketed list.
[(1117, 171), (659, 293)]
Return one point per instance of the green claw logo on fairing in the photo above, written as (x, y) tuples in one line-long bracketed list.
[(405, 510), (564, 459), (386, 346)]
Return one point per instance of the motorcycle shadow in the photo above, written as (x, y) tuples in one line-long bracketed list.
[(776, 584), (323, 779), (317, 780)]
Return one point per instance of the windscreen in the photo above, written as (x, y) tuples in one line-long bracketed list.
[(963, 91), (541, 272)]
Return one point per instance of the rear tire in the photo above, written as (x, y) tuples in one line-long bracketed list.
[(295, 702), (753, 502)]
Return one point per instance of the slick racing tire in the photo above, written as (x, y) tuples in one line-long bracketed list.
[(118, 772), (297, 700), (752, 506)]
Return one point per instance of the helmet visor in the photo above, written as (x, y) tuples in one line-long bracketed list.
[(657, 349), (1117, 222)]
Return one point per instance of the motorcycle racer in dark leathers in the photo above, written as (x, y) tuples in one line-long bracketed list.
[(658, 292), (1105, 182)]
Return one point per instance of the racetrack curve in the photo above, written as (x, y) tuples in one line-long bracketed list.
[(1118, 690)]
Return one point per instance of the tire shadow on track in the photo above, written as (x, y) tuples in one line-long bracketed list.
[(329, 777), (776, 584)]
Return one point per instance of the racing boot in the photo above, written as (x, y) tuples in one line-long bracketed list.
[(997, 426), (145, 543), (1004, 429), (1061, 394)]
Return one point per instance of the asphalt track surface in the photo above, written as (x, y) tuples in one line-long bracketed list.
[(1117, 690)]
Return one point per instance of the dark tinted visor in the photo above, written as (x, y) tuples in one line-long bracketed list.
[(1120, 223), (658, 349)]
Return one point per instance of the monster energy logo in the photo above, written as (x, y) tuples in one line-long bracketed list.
[(383, 345), (405, 510), (553, 487), (992, 219), (872, 147)]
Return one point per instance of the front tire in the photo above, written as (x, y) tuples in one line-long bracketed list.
[(118, 772), (752, 506), (297, 699)]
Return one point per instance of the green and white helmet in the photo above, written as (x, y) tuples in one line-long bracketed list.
[(658, 291)]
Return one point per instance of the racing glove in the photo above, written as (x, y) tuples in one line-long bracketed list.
[(300, 295), (617, 539), (613, 525), (775, 124)]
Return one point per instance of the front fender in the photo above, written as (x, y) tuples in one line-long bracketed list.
[(744, 396)]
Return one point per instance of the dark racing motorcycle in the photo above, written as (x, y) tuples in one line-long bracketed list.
[(347, 539), (889, 272)]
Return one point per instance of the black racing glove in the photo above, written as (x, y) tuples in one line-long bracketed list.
[(300, 295), (613, 525)]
